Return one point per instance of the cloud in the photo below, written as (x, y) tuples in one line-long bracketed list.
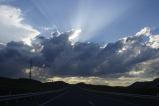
[(133, 58), (74, 80), (12, 26), (14, 58), (120, 81)]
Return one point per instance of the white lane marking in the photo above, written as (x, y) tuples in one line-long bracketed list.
[(91, 103), (111, 99), (51, 100)]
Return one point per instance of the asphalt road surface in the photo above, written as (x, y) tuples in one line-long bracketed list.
[(76, 96)]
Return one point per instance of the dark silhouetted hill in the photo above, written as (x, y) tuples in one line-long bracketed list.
[(15, 86), (147, 85), (144, 88)]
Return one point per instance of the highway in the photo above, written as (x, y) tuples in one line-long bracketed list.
[(76, 96)]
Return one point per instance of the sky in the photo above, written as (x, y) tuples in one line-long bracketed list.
[(112, 42)]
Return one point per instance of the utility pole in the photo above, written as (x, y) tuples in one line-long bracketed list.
[(30, 67)]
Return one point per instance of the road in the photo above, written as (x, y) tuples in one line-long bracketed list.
[(76, 96)]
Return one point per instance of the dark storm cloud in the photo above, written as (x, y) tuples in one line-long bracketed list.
[(14, 59), (60, 58)]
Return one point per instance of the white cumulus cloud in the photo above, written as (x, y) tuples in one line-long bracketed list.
[(12, 26)]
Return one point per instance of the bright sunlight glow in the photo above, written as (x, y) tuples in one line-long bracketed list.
[(75, 34)]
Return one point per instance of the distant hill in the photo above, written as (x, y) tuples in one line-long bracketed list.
[(146, 85), (15, 83), (22, 85), (145, 88)]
